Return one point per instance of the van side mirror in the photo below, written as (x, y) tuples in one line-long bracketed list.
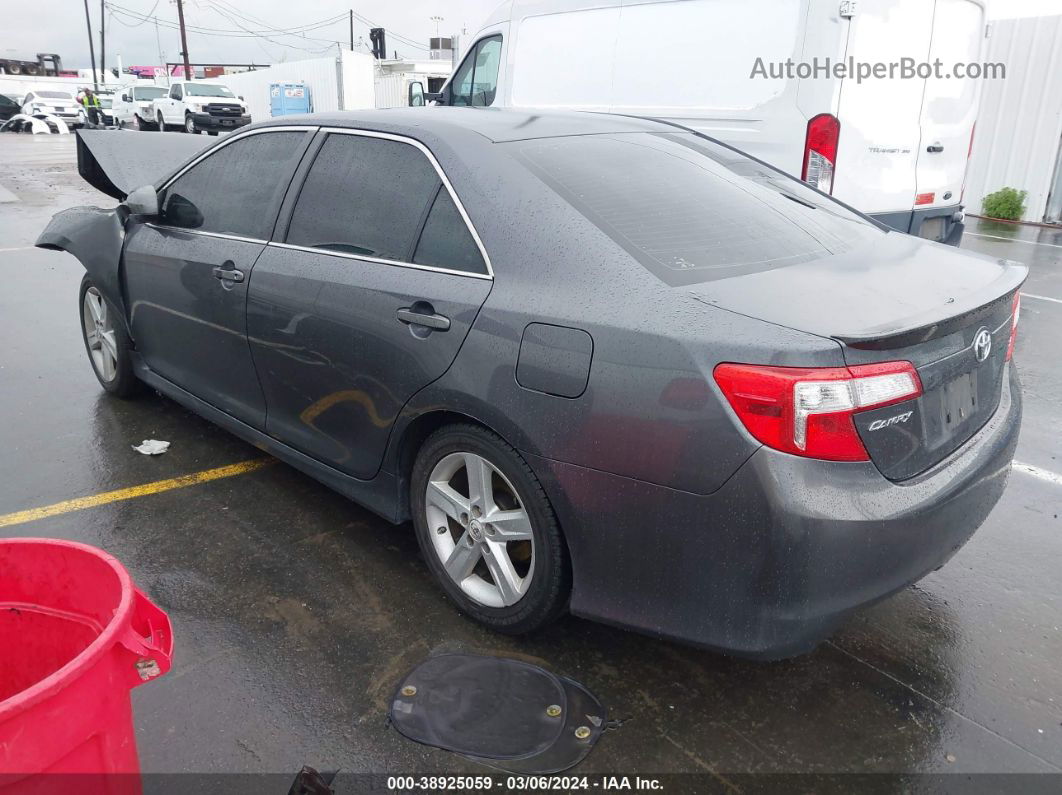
[(416, 94), (143, 201), (126, 98)]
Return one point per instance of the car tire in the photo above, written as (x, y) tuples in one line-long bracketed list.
[(106, 342), (189, 124), (538, 562), (161, 123)]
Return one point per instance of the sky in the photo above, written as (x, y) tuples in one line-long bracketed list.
[(32, 26)]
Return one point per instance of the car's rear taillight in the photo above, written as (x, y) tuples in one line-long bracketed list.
[(820, 151), (1014, 313), (807, 411)]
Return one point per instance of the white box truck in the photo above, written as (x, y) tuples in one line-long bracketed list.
[(894, 147)]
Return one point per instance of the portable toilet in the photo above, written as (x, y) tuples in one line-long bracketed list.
[(286, 99)]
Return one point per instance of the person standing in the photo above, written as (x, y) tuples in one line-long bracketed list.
[(92, 106)]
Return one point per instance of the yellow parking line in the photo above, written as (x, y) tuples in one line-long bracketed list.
[(132, 492)]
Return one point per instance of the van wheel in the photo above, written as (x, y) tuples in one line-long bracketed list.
[(487, 530)]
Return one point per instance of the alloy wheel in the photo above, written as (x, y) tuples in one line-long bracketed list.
[(189, 125), (99, 335), (480, 530)]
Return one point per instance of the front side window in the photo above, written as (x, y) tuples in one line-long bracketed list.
[(476, 81), (175, 92), (364, 196), (237, 189)]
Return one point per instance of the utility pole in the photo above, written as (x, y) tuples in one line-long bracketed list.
[(92, 51), (103, 51), (184, 41), (352, 30)]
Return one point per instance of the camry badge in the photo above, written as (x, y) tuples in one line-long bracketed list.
[(982, 344)]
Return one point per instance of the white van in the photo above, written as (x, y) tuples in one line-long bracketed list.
[(894, 148)]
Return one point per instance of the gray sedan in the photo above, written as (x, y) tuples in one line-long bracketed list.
[(604, 364)]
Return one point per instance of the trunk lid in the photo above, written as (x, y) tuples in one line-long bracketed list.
[(901, 299)]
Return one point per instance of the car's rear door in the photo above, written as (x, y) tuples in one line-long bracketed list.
[(186, 273), (364, 298)]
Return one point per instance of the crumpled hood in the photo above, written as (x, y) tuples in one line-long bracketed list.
[(117, 162)]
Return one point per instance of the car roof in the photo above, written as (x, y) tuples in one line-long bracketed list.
[(495, 124)]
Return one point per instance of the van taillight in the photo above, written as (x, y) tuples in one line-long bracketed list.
[(1015, 311), (808, 411), (820, 151)]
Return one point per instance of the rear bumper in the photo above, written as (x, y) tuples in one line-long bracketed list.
[(924, 223), (204, 121), (771, 563)]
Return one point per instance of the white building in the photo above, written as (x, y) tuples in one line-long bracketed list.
[(1018, 142)]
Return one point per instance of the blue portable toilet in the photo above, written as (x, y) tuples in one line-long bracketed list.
[(286, 99)]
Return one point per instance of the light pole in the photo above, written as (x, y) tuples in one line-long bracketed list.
[(436, 19)]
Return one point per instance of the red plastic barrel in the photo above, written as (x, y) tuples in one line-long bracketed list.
[(76, 636)]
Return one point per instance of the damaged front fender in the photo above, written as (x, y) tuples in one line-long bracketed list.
[(95, 236)]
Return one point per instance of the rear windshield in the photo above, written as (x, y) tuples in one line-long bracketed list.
[(691, 210), (54, 95), (148, 92), (207, 90)]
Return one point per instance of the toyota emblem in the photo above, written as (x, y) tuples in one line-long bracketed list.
[(982, 344)]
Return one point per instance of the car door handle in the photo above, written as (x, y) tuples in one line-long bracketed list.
[(427, 318), (228, 274), (933, 148)]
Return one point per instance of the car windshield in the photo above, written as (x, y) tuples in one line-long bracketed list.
[(691, 210), (148, 92), (55, 95), (206, 90)]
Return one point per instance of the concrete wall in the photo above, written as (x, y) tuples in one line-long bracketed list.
[(1019, 127)]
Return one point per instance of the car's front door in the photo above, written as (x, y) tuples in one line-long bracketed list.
[(186, 272), (366, 298)]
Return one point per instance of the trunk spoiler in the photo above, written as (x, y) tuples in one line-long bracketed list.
[(965, 311), (118, 162)]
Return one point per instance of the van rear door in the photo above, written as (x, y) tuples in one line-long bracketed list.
[(949, 107), (877, 156)]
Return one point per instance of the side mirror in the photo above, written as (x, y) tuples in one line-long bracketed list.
[(416, 94), (126, 98), (143, 201), (240, 97), (180, 212)]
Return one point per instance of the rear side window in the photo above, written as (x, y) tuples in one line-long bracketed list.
[(691, 210), (236, 190), (446, 241), (476, 81), (364, 196)]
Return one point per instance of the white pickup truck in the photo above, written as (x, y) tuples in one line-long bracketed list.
[(197, 106)]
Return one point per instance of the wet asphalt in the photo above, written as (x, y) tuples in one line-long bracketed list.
[(296, 612)]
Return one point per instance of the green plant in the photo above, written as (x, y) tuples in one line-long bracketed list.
[(1005, 203)]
